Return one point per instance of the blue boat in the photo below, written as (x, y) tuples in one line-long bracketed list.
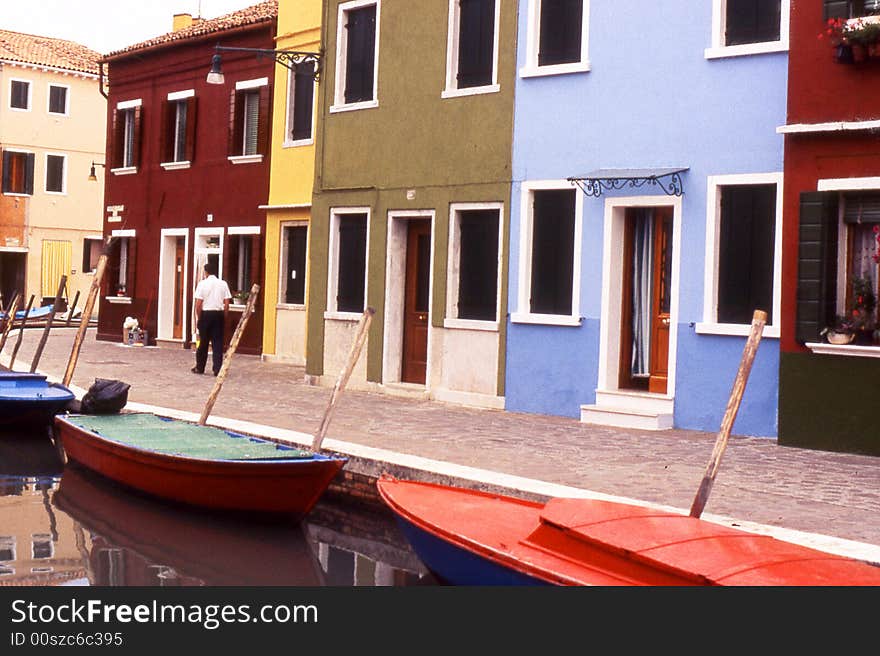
[(42, 312), (29, 400)]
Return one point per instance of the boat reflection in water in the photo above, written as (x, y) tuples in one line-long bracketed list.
[(68, 526)]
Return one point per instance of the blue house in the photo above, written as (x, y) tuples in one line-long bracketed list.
[(646, 210)]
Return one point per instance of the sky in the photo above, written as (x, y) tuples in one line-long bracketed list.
[(106, 25)]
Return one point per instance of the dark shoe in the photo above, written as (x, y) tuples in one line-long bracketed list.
[(196, 371)]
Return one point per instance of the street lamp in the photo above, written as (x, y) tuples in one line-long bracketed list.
[(287, 58), (92, 176)]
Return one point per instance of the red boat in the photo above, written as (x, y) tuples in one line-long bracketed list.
[(198, 465), (467, 537)]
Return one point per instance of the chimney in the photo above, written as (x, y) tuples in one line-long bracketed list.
[(181, 22)]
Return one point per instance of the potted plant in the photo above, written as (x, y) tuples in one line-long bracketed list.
[(854, 39), (842, 331)]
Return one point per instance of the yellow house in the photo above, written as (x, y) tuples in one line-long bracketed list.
[(52, 129), (290, 183)]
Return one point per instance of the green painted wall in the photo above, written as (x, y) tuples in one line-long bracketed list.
[(827, 401), (445, 150)]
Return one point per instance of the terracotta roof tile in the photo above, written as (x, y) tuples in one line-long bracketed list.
[(258, 13), (46, 51)]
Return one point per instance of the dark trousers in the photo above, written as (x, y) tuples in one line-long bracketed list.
[(210, 328)]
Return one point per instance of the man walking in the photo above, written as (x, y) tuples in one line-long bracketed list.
[(212, 305)]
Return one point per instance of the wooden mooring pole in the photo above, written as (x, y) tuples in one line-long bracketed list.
[(10, 317), (24, 319), (87, 313), (736, 394), (353, 355), (49, 320), (233, 345)]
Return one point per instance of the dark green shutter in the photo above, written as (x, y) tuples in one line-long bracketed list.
[(360, 54), (352, 262), (817, 264), (7, 172), (752, 21), (553, 226), (303, 101), (476, 43), (837, 9), (478, 265), (561, 28)]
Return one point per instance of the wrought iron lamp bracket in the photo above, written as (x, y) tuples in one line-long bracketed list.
[(290, 59), (595, 185)]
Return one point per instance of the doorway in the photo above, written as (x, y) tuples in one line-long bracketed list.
[(646, 299), (416, 302), (172, 292)]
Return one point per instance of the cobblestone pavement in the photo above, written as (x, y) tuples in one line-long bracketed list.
[(831, 494)]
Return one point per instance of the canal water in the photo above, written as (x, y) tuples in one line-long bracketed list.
[(64, 525)]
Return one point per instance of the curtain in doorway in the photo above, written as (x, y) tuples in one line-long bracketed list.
[(643, 270), (201, 258), (55, 263)]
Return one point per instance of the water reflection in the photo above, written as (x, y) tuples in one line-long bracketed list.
[(67, 526)]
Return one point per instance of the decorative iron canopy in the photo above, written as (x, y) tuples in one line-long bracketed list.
[(600, 180)]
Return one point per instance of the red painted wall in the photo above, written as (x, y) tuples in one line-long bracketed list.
[(154, 198), (821, 90)]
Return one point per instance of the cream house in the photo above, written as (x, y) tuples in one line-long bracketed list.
[(52, 131)]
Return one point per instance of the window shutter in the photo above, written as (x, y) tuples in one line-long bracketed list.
[(236, 123), (361, 53), (264, 123), (817, 264), (117, 131), (190, 148), (167, 131), (752, 21), (303, 101), (553, 252), (7, 171), (136, 142), (352, 260), (29, 174), (561, 27), (837, 9), (476, 42), (861, 208), (296, 265), (478, 265)]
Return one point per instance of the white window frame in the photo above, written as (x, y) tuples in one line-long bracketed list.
[(719, 19), (248, 85), (710, 324), (63, 191), (87, 239), (289, 108), (283, 257), (452, 90), (126, 155), (333, 270), (453, 264), (523, 313), (176, 97), (128, 234), (30, 94), (339, 104), (66, 88), (533, 43)]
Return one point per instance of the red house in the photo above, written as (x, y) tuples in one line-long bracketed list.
[(828, 391), (187, 170)]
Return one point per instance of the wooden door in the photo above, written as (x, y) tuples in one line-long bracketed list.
[(653, 269), (662, 290), (416, 302), (179, 255)]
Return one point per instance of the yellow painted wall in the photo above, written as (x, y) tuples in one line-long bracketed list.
[(290, 181), (80, 136)]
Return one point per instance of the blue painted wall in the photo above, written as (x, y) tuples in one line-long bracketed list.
[(651, 98)]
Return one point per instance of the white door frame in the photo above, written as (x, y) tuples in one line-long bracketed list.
[(612, 294), (165, 287), (395, 288)]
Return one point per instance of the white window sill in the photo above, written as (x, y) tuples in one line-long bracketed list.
[(533, 70), (17, 193), (734, 329), (125, 170), (844, 349), (290, 306), (351, 107), (297, 143), (545, 319), (118, 300), (470, 91), (471, 324), (58, 114), (174, 166), (237, 307), (245, 159), (19, 109), (56, 193), (746, 49), (343, 316)]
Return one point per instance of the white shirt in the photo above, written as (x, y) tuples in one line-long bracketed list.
[(212, 291)]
